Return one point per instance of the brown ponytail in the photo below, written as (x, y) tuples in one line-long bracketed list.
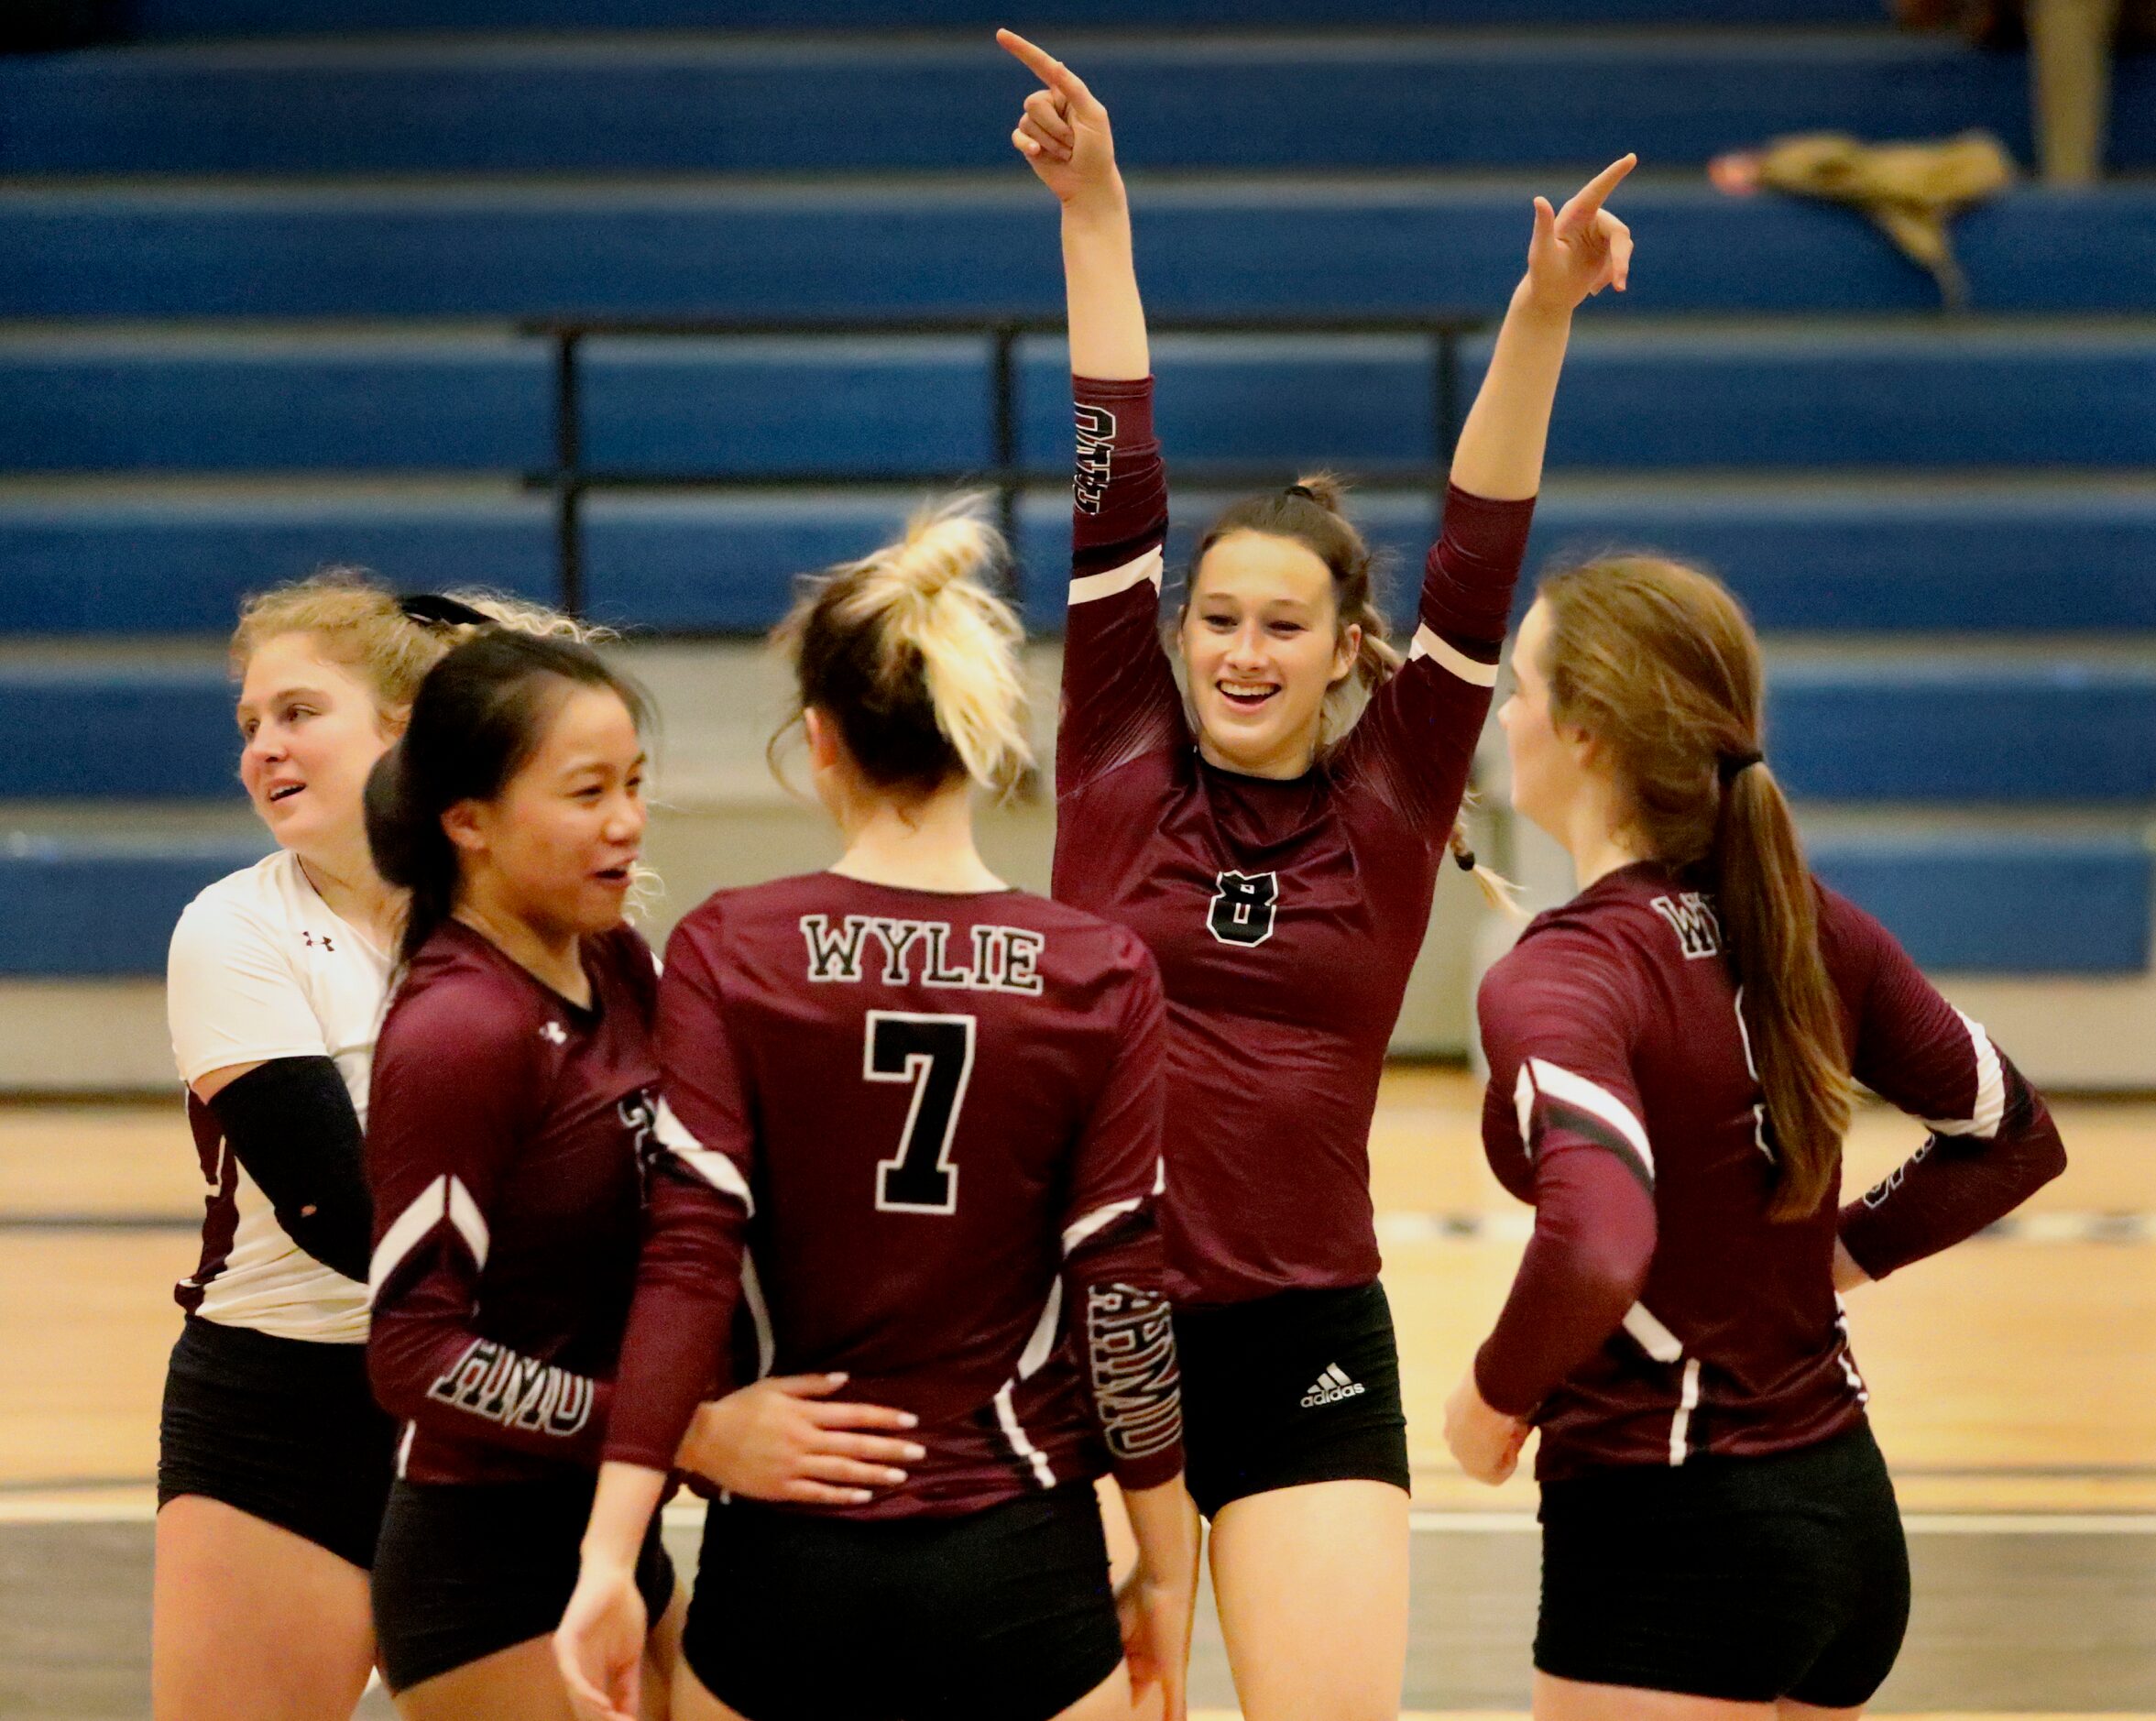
[(1657, 663)]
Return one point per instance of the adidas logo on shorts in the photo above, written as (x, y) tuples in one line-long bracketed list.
[(1330, 1387)]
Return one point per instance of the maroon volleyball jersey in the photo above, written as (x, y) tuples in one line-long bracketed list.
[(503, 1149), (1285, 915), (933, 1121), (1658, 1312)]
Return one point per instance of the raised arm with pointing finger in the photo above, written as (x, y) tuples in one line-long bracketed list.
[(1272, 825)]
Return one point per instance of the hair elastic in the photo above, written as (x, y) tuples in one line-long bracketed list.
[(1732, 765), (434, 611), (1303, 490)]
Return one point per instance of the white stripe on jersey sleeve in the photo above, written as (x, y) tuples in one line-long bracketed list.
[(712, 1166), (1045, 1331), (1559, 1083), (470, 1222), (1687, 1400), (1990, 1109), (1448, 657), (1007, 1414), (1653, 1337), (403, 1236), (1145, 570), (1098, 1219)]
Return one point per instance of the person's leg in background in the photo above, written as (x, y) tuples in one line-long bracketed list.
[(2070, 85)]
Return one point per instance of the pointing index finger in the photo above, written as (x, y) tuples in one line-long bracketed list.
[(1591, 196), (1043, 65)]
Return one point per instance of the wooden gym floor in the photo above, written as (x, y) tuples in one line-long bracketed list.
[(2013, 1389)]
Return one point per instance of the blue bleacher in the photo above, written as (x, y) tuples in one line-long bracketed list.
[(900, 407), (1947, 732), (273, 402), (1990, 559), (1931, 731), (181, 564), (131, 731), (296, 337), (2042, 559), (835, 250), (703, 104), (90, 907), (193, 19), (2002, 903)]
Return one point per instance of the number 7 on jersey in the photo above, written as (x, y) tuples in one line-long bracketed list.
[(935, 1054)]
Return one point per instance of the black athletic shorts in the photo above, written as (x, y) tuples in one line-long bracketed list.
[(1302, 1385), (1747, 1579), (465, 1569), (1002, 1615), (283, 1429)]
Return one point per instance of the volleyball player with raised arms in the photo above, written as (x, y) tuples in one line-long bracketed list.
[(273, 1460), (1280, 864), (929, 1107), (1670, 1059)]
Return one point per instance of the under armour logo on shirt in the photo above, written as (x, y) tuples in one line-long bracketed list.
[(310, 941), (554, 1034)]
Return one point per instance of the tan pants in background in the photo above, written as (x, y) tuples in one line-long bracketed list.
[(2070, 81)]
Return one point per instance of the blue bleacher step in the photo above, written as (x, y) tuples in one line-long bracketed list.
[(1936, 729), (191, 19), (1970, 557), (1328, 101), (1941, 728), (1989, 900), (898, 407), (105, 560), (274, 401), (2004, 901), (103, 906), (970, 246), (1822, 395)]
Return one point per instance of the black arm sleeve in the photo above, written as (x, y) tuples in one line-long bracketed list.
[(291, 1124)]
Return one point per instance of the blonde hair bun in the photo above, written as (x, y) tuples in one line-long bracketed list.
[(940, 649)]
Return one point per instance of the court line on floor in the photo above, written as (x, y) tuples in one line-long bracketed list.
[(1428, 1522), (132, 1507), (1506, 1225), (1517, 1225)]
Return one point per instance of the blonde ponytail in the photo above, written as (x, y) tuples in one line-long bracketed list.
[(916, 658)]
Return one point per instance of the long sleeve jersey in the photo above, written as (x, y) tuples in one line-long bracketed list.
[(1285, 915), (505, 1151), (1658, 1312), (931, 1124)]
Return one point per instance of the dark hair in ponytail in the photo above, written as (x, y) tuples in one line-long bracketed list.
[(1659, 662), (478, 717)]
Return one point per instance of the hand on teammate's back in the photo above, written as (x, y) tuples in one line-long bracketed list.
[(1580, 250), (1062, 134), (785, 1439)]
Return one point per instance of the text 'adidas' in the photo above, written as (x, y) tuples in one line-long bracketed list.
[(1330, 1387)]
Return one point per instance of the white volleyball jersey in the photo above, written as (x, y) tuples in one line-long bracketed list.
[(262, 967)]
